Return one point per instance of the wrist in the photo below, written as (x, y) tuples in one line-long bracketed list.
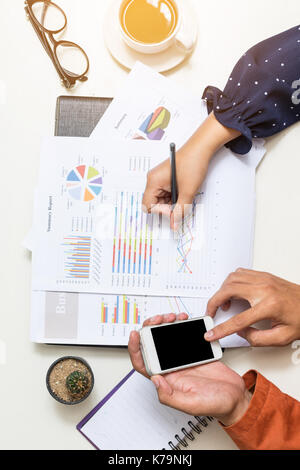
[(238, 410), (196, 152), (217, 134), (208, 139)]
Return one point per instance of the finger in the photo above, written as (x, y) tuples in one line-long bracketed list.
[(225, 307), (182, 316), (224, 295), (262, 338), (167, 318), (250, 273), (164, 209), (153, 320), (149, 199), (135, 353), (165, 199), (236, 323), (246, 272), (182, 209)]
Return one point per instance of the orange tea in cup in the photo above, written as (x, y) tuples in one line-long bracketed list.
[(148, 21)]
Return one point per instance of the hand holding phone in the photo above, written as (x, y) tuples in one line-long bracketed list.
[(175, 346), (211, 389)]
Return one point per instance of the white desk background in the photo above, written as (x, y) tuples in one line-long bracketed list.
[(29, 86)]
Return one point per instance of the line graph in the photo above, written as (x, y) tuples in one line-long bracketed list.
[(186, 237)]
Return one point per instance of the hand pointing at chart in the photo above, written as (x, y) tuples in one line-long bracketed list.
[(192, 162)]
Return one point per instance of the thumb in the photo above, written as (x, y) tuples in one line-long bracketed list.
[(164, 390), (182, 208), (168, 396), (162, 386)]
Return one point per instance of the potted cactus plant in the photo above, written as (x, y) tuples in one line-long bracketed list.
[(70, 380)]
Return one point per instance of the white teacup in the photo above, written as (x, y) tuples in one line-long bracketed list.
[(178, 36)]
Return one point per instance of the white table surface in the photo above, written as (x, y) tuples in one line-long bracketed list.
[(29, 86)]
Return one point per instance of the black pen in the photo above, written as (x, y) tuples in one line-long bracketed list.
[(174, 191)]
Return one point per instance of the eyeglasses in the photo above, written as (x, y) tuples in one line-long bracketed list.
[(69, 59)]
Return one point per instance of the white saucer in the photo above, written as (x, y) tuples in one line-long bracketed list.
[(162, 61)]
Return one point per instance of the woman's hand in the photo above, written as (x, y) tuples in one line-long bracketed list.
[(208, 390), (192, 162), (270, 298)]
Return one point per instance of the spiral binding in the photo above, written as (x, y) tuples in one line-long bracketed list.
[(189, 435)]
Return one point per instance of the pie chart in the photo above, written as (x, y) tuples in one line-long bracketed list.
[(154, 126), (84, 183)]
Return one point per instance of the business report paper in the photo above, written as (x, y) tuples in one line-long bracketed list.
[(151, 107), (92, 235)]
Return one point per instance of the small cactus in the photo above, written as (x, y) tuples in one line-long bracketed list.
[(77, 382)]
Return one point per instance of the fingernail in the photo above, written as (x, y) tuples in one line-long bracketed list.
[(155, 380), (209, 334)]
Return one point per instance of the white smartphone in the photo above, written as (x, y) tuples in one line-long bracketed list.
[(173, 346)]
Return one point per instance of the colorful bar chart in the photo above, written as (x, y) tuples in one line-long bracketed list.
[(151, 245), (122, 310), (130, 234), (136, 317), (133, 236), (77, 256), (126, 306), (104, 311), (115, 241), (116, 311)]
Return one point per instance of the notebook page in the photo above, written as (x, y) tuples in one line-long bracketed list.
[(134, 419)]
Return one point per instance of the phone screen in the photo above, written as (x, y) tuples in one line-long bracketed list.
[(180, 344)]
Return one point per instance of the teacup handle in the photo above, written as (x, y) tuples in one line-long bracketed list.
[(184, 41)]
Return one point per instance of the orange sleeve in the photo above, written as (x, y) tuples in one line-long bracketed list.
[(272, 421)]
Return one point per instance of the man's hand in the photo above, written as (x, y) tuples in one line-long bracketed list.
[(208, 390), (192, 162), (270, 298)]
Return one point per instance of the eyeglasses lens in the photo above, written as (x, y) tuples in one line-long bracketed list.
[(71, 58), (49, 16)]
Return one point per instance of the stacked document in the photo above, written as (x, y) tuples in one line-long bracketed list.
[(101, 266)]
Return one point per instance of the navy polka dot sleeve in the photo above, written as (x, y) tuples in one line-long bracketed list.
[(262, 96)]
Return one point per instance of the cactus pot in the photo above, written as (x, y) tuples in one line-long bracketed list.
[(63, 369)]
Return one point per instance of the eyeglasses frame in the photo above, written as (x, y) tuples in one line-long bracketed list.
[(68, 78)]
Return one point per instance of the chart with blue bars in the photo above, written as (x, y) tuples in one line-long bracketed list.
[(133, 236), (125, 309)]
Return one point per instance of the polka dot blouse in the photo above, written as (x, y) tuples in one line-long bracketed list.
[(262, 95)]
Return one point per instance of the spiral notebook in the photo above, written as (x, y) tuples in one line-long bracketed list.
[(130, 417)]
